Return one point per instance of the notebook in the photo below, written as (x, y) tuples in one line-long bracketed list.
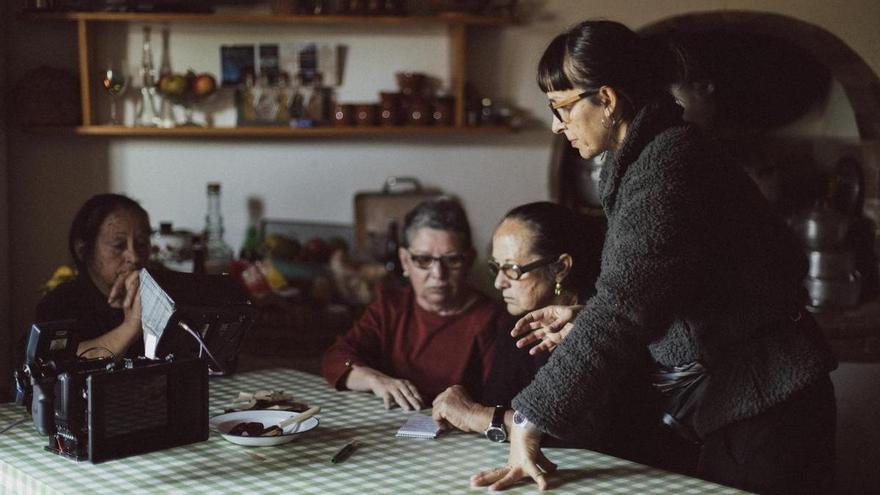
[(419, 426)]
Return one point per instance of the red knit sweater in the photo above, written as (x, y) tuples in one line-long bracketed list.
[(399, 338)]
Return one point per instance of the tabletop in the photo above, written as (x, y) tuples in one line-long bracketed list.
[(382, 464)]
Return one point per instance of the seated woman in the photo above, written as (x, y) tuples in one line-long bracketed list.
[(543, 254), (414, 342), (109, 241)]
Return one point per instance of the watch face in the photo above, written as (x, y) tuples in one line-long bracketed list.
[(496, 434)]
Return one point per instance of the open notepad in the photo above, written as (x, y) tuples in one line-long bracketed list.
[(419, 426)]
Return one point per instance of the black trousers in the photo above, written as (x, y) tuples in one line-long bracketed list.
[(788, 449)]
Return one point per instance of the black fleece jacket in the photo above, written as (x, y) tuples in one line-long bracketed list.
[(695, 266)]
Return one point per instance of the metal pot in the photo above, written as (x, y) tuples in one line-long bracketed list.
[(828, 293), (831, 264), (821, 228)]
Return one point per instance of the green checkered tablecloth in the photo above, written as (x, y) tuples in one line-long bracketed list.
[(383, 463)]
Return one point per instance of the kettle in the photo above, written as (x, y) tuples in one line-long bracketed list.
[(821, 228)]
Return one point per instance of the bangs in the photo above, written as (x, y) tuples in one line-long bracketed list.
[(552, 74)]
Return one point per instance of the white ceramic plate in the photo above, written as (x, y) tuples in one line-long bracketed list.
[(225, 422)]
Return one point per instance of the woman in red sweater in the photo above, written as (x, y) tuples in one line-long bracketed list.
[(414, 342)]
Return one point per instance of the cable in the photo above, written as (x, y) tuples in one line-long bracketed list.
[(90, 349), (202, 345)]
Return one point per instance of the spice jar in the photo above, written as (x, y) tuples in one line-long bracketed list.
[(365, 114), (444, 110), (390, 111), (418, 112), (343, 115)]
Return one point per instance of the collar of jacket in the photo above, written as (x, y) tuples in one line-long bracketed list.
[(650, 121)]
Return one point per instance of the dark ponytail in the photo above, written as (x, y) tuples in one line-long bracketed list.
[(557, 230), (599, 53)]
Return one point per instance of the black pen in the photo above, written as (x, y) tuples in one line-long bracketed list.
[(344, 452)]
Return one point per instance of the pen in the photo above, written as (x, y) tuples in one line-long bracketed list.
[(344, 452)]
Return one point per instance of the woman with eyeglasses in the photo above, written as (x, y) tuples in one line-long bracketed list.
[(414, 342), (543, 254), (696, 269)]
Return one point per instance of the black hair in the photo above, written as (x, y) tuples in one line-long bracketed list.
[(558, 230), (441, 213), (87, 223), (598, 53)]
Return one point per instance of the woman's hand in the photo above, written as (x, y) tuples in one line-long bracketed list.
[(525, 460), (454, 408), (125, 294), (392, 390), (549, 325)]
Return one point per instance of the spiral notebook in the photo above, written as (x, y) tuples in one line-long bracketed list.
[(419, 426)]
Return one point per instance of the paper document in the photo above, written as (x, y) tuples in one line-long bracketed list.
[(419, 426), (156, 309)]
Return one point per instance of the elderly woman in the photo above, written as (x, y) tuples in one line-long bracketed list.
[(537, 260), (543, 254), (697, 269), (414, 342), (109, 241)]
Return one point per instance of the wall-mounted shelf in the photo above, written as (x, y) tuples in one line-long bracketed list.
[(456, 24), (267, 131), (402, 20)]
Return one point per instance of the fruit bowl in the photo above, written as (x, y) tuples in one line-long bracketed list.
[(186, 90)]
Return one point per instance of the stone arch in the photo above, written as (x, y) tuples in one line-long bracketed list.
[(860, 82)]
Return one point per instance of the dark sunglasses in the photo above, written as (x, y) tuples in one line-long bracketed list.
[(449, 261), (568, 102), (514, 271)]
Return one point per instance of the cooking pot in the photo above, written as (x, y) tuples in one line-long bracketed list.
[(821, 228), (827, 293), (831, 264)]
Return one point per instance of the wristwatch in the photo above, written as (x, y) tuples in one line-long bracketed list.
[(520, 420), (496, 431)]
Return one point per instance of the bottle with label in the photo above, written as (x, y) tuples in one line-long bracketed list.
[(218, 254)]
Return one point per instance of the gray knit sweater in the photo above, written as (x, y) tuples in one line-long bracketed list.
[(695, 266)]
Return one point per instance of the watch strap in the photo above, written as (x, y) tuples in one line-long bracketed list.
[(498, 416)]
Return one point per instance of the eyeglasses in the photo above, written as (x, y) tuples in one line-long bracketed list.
[(514, 271), (449, 261), (565, 105)]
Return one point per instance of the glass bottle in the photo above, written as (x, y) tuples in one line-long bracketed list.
[(218, 254), (251, 247), (166, 117), (147, 112)]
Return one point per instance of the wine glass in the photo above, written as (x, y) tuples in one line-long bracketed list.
[(115, 81)]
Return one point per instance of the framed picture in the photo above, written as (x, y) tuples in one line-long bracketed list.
[(235, 62)]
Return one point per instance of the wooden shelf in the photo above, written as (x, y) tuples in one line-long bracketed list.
[(86, 23), (267, 131), (441, 19)]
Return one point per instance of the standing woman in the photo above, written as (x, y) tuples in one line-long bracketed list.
[(697, 269)]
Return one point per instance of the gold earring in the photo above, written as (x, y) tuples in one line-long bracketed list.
[(558, 290)]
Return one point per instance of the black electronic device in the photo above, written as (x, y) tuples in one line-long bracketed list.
[(185, 314), (140, 406), (101, 409), (51, 350)]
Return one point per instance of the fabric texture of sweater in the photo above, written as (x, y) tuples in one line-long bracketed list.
[(695, 266)]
